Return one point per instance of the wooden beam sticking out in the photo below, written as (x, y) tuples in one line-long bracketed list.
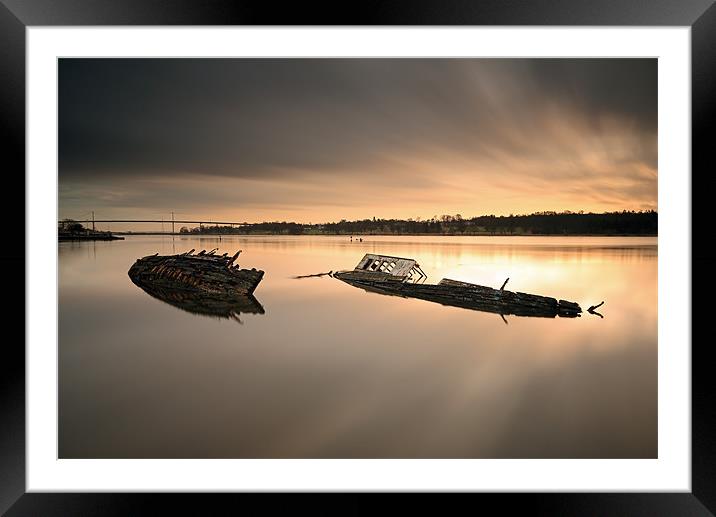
[(330, 273), (231, 261), (503, 285), (594, 307)]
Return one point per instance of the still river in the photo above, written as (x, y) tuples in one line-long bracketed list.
[(331, 371)]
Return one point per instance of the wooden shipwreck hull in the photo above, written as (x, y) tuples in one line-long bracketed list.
[(454, 293), (204, 273)]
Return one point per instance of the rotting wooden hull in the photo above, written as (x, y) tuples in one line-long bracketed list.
[(197, 302), (465, 295), (203, 273)]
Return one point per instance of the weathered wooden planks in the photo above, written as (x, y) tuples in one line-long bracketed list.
[(204, 272), (387, 264), (458, 294)]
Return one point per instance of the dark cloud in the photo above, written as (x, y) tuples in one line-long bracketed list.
[(626, 88), (268, 118)]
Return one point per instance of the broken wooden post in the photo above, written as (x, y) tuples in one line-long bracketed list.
[(330, 273), (232, 259), (594, 307)]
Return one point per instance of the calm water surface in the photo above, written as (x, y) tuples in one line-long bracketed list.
[(330, 370)]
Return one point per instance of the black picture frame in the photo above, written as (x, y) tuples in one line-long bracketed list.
[(700, 15)]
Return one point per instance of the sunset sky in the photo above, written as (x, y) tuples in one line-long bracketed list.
[(317, 140)]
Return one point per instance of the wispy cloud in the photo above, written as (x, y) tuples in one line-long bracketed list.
[(334, 138)]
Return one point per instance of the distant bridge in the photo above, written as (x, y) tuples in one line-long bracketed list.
[(209, 223), (162, 221)]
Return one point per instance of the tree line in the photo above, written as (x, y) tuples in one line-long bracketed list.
[(538, 223)]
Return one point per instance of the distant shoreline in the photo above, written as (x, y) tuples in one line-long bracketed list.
[(363, 236), (71, 238), (538, 224)]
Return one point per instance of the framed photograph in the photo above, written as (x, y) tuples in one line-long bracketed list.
[(434, 251)]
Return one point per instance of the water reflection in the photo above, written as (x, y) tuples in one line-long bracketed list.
[(330, 371), (229, 307)]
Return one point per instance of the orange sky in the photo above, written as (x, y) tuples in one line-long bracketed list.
[(324, 140)]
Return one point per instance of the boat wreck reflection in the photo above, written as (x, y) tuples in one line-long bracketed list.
[(205, 304)]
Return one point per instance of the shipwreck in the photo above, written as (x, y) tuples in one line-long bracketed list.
[(403, 277), (204, 273)]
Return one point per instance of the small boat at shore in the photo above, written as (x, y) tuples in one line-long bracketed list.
[(403, 277), (87, 235), (203, 272)]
